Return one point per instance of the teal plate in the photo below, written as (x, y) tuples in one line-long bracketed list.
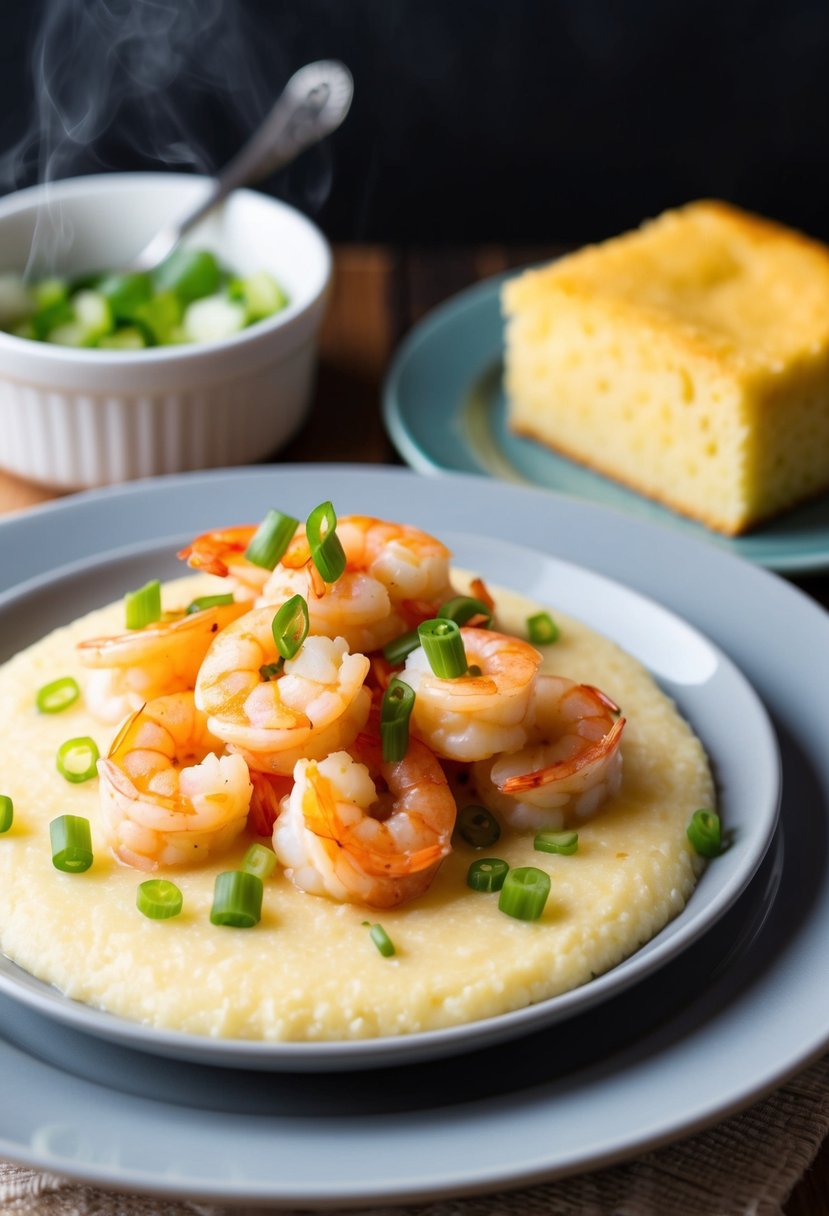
[(445, 410)]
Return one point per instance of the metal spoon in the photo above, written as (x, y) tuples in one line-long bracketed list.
[(313, 104)]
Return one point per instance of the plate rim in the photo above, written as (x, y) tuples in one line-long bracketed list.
[(599, 527), (662, 948)]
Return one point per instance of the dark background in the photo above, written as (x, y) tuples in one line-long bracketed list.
[(534, 121)]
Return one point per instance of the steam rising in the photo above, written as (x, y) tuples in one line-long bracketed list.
[(147, 84), (140, 72)]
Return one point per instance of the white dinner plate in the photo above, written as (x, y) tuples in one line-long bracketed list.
[(710, 691), (733, 1015)]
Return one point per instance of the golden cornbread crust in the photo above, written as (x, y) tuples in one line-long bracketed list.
[(688, 359)]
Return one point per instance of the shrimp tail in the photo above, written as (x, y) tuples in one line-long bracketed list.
[(268, 791), (606, 701), (320, 812), (563, 769)]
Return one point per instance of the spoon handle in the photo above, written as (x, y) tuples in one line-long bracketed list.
[(313, 103)]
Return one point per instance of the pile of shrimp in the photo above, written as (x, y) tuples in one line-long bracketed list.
[(220, 735)]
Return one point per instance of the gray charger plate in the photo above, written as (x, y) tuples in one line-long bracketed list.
[(709, 689), (733, 1016)]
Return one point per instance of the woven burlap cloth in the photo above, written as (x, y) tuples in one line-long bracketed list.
[(745, 1166)]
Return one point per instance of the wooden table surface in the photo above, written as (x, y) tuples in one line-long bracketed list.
[(379, 293)]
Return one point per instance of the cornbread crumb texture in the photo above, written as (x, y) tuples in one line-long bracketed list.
[(688, 359), (308, 971)]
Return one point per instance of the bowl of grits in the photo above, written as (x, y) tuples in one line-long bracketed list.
[(308, 986), (219, 380)]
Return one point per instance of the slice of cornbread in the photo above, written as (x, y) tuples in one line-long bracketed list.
[(688, 359)]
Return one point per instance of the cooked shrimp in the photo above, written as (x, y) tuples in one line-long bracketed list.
[(269, 789), (571, 765), (395, 577), (474, 716), (316, 705), (138, 666), (222, 552), (342, 835), (167, 798)]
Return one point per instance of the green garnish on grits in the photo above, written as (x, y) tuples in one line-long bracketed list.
[(477, 826), (259, 860), (143, 607), (382, 940), (565, 843), (524, 893), (159, 899), (487, 874), (237, 899), (58, 695), (6, 813), (542, 629), (705, 833), (71, 841), (443, 646), (77, 759)]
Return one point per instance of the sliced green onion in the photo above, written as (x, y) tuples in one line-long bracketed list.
[(705, 833), (6, 813), (160, 318), (269, 671), (487, 874), (202, 602), (542, 629), (77, 759), (261, 294), (382, 940), (395, 711), (190, 273), (398, 649), (158, 899), (271, 539), (477, 826), (290, 626), (125, 293), (524, 893), (57, 696), (71, 842), (557, 842), (259, 860), (443, 645), (237, 899), (462, 609), (326, 548), (143, 606)]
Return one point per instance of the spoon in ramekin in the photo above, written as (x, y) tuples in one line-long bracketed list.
[(313, 103)]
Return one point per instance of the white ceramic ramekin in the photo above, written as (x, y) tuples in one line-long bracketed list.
[(74, 418)]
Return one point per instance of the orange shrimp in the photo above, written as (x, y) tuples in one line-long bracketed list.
[(222, 552), (356, 839), (167, 797), (474, 716), (395, 577), (571, 765)]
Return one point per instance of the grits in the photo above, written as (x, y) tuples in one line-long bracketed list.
[(309, 971)]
